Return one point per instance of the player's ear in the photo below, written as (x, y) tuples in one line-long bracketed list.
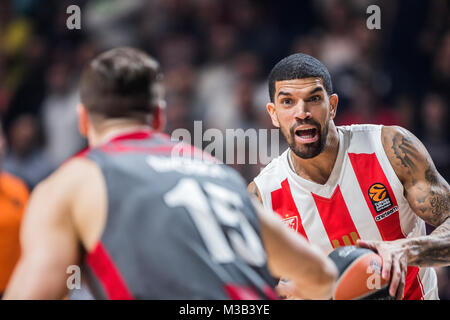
[(83, 120), (271, 110), (334, 99), (158, 120)]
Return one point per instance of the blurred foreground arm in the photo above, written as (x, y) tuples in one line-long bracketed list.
[(289, 255), (48, 238)]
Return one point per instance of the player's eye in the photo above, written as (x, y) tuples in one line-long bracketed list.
[(286, 101), (315, 98)]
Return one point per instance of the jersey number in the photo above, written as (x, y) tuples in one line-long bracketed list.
[(214, 207)]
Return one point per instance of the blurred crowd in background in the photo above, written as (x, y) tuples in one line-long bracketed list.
[(216, 56)]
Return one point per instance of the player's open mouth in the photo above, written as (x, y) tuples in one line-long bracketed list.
[(307, 135)]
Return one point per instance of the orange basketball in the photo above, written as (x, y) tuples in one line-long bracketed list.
[(359, 275)]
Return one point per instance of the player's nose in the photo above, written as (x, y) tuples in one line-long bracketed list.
[(301, 111)]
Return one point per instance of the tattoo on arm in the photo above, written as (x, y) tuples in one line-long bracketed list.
[(431, 177), (437, 206), (433, 203), (405, 151), (433, 250), (426, 191)]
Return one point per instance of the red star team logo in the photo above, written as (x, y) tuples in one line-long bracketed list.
[(291, 222)]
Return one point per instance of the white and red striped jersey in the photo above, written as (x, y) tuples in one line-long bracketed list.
[(362, 199)]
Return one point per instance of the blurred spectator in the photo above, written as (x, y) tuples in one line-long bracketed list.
[(59, 114), (215, 81), (366, 108), (111, 22), (434, 115), (441, 66), (25, 157), (405, 106)]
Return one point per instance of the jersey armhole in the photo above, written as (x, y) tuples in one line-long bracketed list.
[(263, 194)]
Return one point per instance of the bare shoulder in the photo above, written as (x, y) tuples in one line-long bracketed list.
[(253, 190), (81, 176), (88, 198), (74, 171), (68, 193), (406, 153), (58, 190)]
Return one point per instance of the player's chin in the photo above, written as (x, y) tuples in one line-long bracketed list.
[(307, 150)]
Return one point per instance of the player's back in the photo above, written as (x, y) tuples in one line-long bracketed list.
[(176, 227)]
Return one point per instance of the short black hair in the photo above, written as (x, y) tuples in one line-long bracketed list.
[(299, 66), (121, 83)]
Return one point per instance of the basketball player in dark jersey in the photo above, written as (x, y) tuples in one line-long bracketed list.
[(147, 218)]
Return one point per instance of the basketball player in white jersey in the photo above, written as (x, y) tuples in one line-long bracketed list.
[(367, 185)]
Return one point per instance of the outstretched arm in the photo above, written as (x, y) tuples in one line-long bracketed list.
[(49, 242), (428, 195)]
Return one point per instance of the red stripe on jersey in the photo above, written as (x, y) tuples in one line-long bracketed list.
[(109, 276), (135, 135), (237, 292), (413, 287), (120, 148), (270, 293), (370, 174), (336, 219), (81, 154), (380, 199), (168, 149), (283, 204)]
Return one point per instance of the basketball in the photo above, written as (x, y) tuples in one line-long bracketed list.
[(359, 275)]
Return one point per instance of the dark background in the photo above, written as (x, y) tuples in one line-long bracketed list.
[(216, 56)]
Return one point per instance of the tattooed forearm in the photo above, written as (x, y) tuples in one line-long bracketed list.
[(439, 204), (433, 256), (432, 250), (443, 229), (433, 208), (431, 198)]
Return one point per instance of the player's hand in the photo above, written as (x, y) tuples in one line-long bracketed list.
[(395, 263)]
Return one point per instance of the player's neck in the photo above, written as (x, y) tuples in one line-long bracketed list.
[(113, 129), (319, 168)]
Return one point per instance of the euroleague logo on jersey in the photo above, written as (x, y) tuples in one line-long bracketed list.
[(377, 192), (379, 196)]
